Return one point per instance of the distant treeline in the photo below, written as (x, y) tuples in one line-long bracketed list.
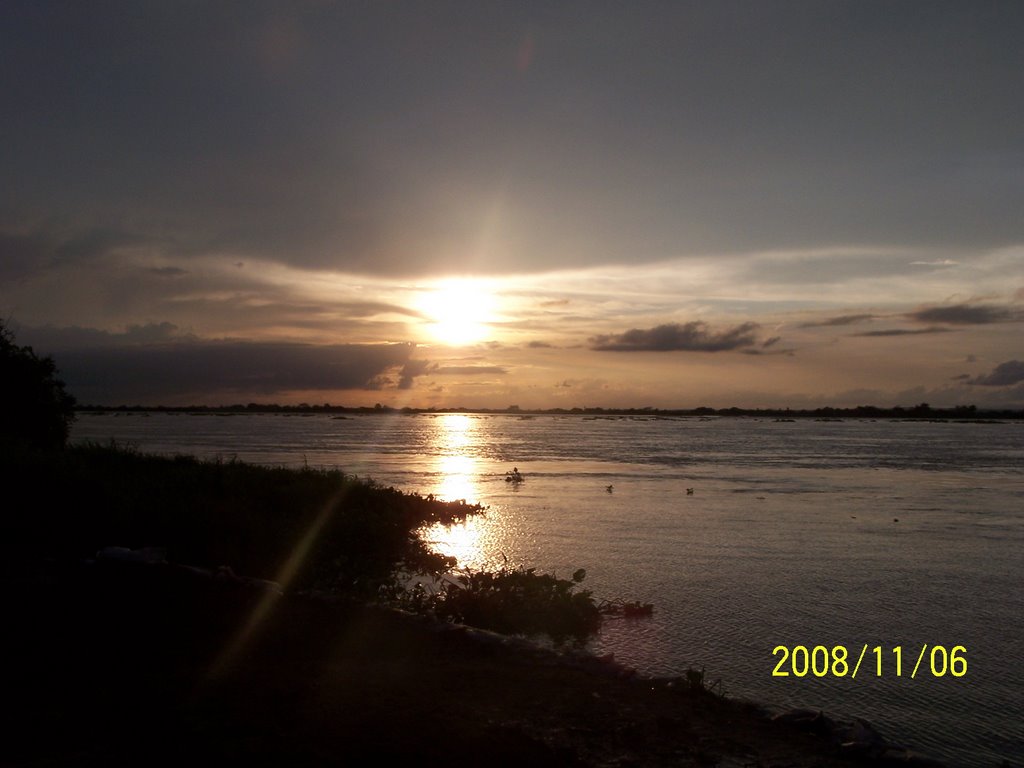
[(920, 411)]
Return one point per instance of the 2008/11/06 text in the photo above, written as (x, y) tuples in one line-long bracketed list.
[(820, 661)]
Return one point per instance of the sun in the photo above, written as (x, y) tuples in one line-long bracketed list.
[(458, 312)]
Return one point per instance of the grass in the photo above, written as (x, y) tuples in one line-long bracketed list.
[(251, 518), (308, 529)]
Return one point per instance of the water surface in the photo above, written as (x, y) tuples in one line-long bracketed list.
[(837, 533)]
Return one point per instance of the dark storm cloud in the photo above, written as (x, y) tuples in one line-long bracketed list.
[(63, 340), (410, 371), (21, 254), (423, 138), (966, 314), (903, 332), (687, 337), (151, 332), (840, 320), (152, 372), (419, 367), (1004, 374)]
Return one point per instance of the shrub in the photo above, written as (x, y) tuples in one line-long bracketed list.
[(35, 410), (519, 600)]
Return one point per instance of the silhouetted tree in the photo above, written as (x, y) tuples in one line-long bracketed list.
[(35, 409)]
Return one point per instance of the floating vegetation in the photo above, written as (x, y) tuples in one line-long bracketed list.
[(514, 601), (628, 609)]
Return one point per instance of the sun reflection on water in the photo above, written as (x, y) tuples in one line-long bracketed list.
[(463, 541), (457, 473), (456, 470), (456, 479)]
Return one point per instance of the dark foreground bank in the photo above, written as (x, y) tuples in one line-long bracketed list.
[(119, 663), (111, 655)]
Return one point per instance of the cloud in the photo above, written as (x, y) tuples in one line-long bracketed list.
[(768, 348), (317, 136), (903, 332), (1004, 374), (467, 370), (824, 266), (689, 337), (345, 159), (840, 320), (21, 254), (539, 345), (168, 271), (62, 341), (44, 248), (410, 371), (965, 314), (94, 243), (138, 367), (420, 367), (151, 332), (370, 308)]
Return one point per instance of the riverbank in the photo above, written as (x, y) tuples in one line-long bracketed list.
[(125, 655), (116, 662)]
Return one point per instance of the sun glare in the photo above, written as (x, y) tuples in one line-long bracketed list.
[(458, 311)]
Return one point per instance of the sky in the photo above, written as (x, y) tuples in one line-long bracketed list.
[(542, 204)]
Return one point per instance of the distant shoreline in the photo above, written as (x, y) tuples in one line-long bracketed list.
[(922, 412)]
